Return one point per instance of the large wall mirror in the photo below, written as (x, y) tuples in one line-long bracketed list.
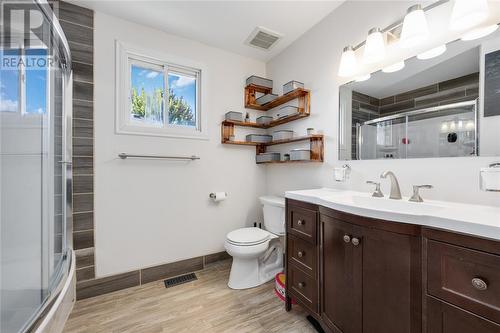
[(444, 106)]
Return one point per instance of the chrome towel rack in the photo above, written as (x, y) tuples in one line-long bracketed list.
[(190, 158)]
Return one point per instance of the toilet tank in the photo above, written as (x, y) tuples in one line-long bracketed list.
[(274, 214)]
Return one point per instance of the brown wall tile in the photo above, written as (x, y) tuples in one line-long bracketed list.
[(83, 128), (78, 33), (75, 14), (83, 184), (210, 258), (397, 107), (173, 269), (83, 165), (83, 239), (82, 72), (83, 91), (81, 53), (83, 221), (83, 147), (459, 82), (90, 288), (84, 257), (416, 93), (86, 273), (83, 203)]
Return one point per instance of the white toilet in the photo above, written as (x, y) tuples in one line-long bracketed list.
[(258, 253)]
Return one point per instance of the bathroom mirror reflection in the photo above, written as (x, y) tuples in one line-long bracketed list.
[(441, 106)]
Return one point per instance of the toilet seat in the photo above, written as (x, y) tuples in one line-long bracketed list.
[(248, 236)]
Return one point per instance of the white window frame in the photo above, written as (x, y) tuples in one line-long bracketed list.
[(127, 55)]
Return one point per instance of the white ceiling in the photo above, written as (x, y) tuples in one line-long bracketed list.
[(223, 24)]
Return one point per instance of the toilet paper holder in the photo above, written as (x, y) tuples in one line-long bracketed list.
[(213, 195)]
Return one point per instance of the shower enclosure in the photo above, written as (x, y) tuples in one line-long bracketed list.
[(444, 131), (35, 164)]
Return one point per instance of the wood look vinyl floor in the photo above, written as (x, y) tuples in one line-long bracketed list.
[(205, 305)]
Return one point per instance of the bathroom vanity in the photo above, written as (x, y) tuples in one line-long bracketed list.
[(361, 265)]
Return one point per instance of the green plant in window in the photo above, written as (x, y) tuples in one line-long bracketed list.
[(180, 111), (138, 103)]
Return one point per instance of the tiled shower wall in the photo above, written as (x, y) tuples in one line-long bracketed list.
[(78, 25), (365, 107)]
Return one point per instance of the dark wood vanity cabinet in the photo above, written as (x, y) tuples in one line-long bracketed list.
[(370, 276), (356, 274)]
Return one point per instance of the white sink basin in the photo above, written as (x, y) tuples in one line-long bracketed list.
[(397, 206), (472, 219)]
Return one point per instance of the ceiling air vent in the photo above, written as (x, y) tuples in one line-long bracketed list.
[(263, 38)]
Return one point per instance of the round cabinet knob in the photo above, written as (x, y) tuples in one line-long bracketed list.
[(301, 222), (479, 284), (347, 239), (300, 254), (355, 241), (301, 285)]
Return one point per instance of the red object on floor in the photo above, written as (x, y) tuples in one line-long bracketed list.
[(279, 286)]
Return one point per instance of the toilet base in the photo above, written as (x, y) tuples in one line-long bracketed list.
[(252, 272)]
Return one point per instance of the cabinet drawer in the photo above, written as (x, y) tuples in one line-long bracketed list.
[(302, 254), (467, 278), (303, 287), (302, 223), (446, 318)]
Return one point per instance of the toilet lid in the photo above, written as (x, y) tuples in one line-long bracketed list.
[(248, 236)]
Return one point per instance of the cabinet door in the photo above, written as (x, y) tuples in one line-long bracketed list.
[(341, 277), (391, 281), (446, 318)]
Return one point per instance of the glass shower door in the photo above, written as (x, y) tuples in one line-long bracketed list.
[(33, 166)]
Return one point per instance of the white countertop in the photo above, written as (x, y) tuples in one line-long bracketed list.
[(477, 220)]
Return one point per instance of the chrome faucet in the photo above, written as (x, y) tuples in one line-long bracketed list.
[(395, 191), (377, 193), (416, 196)]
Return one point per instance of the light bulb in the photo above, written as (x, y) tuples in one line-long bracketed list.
[(415, 29), (363, 77), (468, 13), (432, 53), (374, 47), (480, 32), (394, 67), (348, 63)]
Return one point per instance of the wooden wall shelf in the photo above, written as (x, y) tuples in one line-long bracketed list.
[(302, 96), (273, 123), (285, 162), (273, 143)]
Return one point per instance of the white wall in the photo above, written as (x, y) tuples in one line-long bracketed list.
[(314, 58), (154, 212)]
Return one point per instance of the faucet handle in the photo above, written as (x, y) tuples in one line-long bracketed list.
[(377, 193), (416, 195)]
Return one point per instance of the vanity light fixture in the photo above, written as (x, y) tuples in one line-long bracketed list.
[(480, 32), (415, 28), (468, 13), (374, 47), (348, 63), (432, 53), (363, 77), (394, 67)]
